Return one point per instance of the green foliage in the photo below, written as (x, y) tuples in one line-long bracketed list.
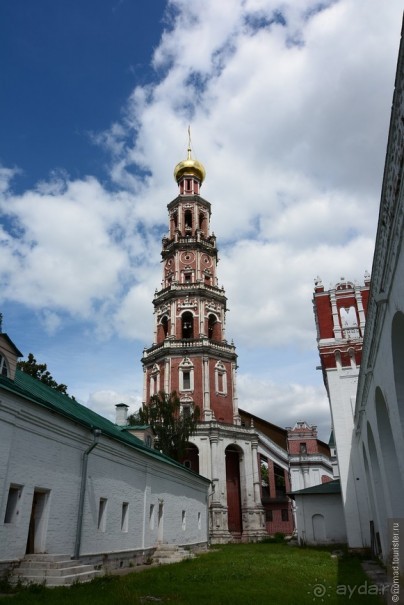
[(171, 426), (40, 372)]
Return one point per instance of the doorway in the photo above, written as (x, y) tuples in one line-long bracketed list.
[(38, 522), (233, 490)]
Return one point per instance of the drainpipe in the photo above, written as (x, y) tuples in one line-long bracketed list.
[(77, 543)]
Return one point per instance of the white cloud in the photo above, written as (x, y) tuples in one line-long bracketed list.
[(284, 404), (104, 402), (289, 105)]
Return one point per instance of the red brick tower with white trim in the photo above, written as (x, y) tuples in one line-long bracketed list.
[(340, 314), (190, 354)]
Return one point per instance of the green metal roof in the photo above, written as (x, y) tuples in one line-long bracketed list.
[(38, 392), (330, 487)]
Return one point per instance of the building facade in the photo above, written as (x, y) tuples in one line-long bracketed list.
[(378, 440), (309, 457), (340, 315), (73, 483)]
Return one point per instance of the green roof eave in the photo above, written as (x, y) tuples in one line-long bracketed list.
[(330, 487), (39, 393)]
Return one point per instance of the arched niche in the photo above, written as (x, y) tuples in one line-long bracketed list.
[(397, 346), (392, 471)]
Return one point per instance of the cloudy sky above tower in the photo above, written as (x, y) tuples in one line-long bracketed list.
[(289, 105)]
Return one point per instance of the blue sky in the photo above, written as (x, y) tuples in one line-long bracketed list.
[(289, 105)]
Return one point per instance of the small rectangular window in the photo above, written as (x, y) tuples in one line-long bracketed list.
[(186, 380), (184, 520), (285, 514), (268, 516), (12, 509), (102, 514), (125, 517), (303, 448), (151, 516), (199, 521)]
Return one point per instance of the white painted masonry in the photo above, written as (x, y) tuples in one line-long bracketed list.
[(320, 519), (41, 455)]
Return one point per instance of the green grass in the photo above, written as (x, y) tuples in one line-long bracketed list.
[(247, 574)]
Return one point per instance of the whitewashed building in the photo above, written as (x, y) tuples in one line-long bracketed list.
[(72, 482), (378, 440), (320, 514)]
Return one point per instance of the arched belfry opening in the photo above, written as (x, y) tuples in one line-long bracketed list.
[(164, 323), (188, 220), (187, 325), (213, 327), (233, 489)]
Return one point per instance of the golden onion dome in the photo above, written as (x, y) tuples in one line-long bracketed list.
[(189, 166)]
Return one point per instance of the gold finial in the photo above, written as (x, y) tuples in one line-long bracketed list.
[(189, 166), (189, 143)]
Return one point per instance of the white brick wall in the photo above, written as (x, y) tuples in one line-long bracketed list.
[(43, 450)]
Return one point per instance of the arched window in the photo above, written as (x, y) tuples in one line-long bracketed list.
[(202, 222), (212, 319), (187, 321), (188, 219), (338, 359), (154, 380), (3, 366), (186, 378), (352, 358), (164, 323), (220, 378)]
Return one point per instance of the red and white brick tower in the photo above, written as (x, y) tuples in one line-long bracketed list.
[(190, 355), (340, 314)]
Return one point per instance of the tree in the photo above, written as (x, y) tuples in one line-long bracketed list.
[(172, 427), (40, 372)]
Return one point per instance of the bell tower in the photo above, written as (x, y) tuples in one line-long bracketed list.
[(190, 354)]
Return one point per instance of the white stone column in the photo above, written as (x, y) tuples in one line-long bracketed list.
[(335, 317), (214, 441), (155, 328), (167, 376), (207, 412), (236, 417), (201, 318), (255, 472), (361, 312), (144, 385), (173, 319)]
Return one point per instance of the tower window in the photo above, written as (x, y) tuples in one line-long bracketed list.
[(212, 321), (164, 323), (186, 380), (188, 219), (303, 449), (187, 325), (187, 278), (220, 378)]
